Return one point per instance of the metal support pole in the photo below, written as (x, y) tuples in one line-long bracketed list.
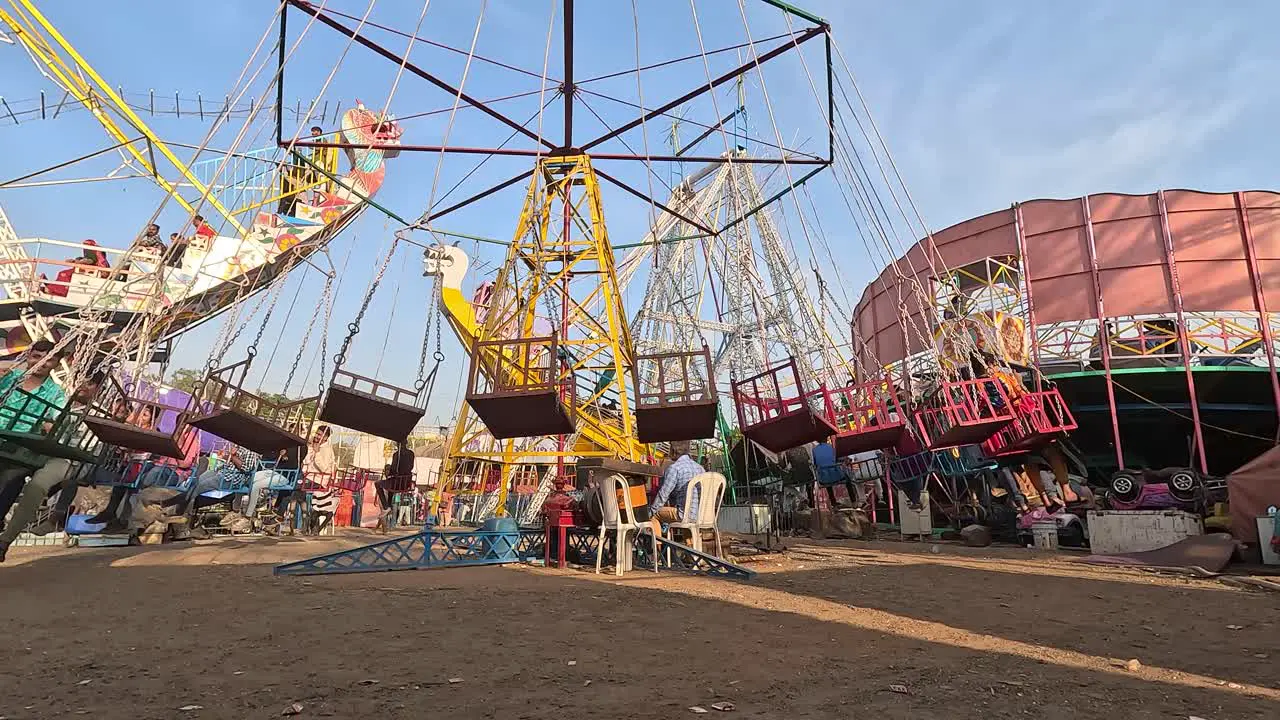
[(568, 73), (1104, 334), (1025, 272), (1184, 344), (1259, 297), (284, 16)]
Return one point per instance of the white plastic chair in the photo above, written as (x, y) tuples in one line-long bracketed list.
[(613, 486), (711, 488)]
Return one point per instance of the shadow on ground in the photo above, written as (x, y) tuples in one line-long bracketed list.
[(155, 630)]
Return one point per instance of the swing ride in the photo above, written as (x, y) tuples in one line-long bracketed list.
[(558, 370)]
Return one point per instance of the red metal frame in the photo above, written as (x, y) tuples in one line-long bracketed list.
[(1039, 416), (867, 415), (569, 93), (1026, 284), (964, 412), (1259, 297), (1184, 345), (1104, 337), (785, 418)]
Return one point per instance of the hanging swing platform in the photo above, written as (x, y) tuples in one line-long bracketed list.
[(224, 408), (674, 398), (115, 418), (1038, 418), (964, 412), (516, 389), (44, 429), (868, 417), (366, 405), (122, 434), (776, 411)]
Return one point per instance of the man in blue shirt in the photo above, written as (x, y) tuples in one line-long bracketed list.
[(668, 504)]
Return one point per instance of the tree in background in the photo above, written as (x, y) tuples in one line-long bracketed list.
[(185, 379)]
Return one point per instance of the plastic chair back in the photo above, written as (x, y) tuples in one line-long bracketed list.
[(698, 483), (610, 489), (713, 486)]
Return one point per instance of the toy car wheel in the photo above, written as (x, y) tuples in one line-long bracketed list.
[(1126, 485), (1183, 485)]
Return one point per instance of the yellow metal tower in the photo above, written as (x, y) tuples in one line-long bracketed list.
[(558, 279)]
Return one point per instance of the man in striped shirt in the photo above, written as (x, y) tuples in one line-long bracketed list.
[(237, 471)]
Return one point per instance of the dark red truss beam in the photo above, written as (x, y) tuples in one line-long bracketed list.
[(308, 8), (731, 75), (480, 195), (649, 198), (518, 152), (711, 159)]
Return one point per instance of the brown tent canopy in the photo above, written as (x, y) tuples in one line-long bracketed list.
[(1251, 490)]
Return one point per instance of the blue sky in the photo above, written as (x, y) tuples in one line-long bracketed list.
[(981, 103)]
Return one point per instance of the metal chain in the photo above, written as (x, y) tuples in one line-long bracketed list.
[(306, 338), (216, 360), (354, 327), (434, 306), (266, 318)]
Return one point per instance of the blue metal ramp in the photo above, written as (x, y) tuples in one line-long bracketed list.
[(427, 549), (462, 548)]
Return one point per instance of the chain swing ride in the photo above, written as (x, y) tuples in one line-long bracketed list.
[(558, 371), (550, 345)]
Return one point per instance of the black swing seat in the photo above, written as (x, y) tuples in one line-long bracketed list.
[(514, 387), (222, 407), (122, 434), (675, 398), (694, 420), (523, 414), (372, 407), (248, 430), (44, 429)]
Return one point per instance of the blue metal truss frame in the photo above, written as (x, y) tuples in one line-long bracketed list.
[(439, 549), (427, 549)]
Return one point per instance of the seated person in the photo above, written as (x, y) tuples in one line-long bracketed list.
[(831, 473), (203, 230), (28, 494), (668, 504), (283, 473), (33, 375), (156, 470), (236, 471), (150, 240), (177, 251)]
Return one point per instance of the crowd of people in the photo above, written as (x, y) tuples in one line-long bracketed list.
[(34, 405), (149, 241)]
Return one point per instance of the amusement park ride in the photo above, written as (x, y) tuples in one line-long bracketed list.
[(936, 379)]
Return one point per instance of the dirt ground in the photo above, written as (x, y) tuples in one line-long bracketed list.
[(824, 633)]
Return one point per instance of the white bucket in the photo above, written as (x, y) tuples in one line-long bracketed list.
[(1045, 535)]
